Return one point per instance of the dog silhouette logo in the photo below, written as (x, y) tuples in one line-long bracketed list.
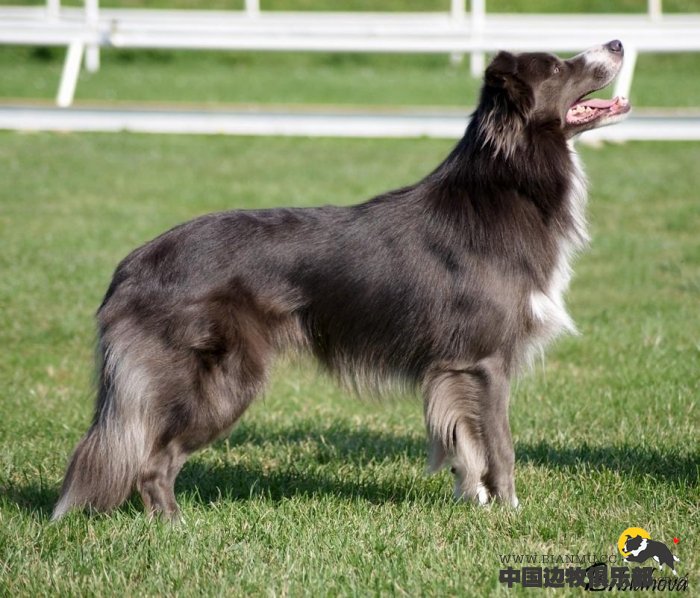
[(636, 546)]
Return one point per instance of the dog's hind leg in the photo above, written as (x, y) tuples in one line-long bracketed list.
[(208, 416), (220, 396), (200, 403), (500, 455), (217, 366), (451, 397), (156, 483)]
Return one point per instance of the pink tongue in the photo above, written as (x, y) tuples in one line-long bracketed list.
[(596, 103)]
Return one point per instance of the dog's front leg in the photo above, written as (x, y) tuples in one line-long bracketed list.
[(451, 396), (466, 413), (495, 427)]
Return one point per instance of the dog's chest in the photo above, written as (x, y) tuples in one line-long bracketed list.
[(547, 309)]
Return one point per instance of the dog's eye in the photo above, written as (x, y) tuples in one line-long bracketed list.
[(556, 70)]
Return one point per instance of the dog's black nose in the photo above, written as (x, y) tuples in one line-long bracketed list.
[(614, 46)]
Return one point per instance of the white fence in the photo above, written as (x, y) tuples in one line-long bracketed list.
[(454, 32)]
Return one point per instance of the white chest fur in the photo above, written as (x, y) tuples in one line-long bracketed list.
[(549, 313)]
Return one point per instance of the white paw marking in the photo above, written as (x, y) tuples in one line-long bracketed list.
[(482, 495)]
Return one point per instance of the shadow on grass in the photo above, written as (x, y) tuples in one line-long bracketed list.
[(35, 499), (305, 460), (349, 449), (324, 461), (637, 462)]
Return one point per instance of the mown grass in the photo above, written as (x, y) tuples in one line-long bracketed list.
[(315, 492), (220, 78)]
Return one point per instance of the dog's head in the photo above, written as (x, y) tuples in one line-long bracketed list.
[(633, 543), (542, 88)]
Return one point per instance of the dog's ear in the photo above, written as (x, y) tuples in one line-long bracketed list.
[(502, 74), (504, 66)]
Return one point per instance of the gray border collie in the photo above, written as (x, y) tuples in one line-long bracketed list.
[(448, 285)]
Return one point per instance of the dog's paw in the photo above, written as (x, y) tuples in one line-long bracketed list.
[(482, 495), (478, 496)]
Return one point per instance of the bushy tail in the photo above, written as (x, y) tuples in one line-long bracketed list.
[(105, 464)]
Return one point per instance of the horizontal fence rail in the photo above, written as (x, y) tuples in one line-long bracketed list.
[(408, 124)]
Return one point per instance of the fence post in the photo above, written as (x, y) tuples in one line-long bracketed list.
[(92, 52), (654, 9), (69, 76), (252, 8), (53, 9), (623, 85), (458, 16), (478, 59)]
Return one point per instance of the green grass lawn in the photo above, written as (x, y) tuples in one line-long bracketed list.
[(315, 492), (344, 79)]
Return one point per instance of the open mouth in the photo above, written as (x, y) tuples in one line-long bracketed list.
[(588, 110)]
